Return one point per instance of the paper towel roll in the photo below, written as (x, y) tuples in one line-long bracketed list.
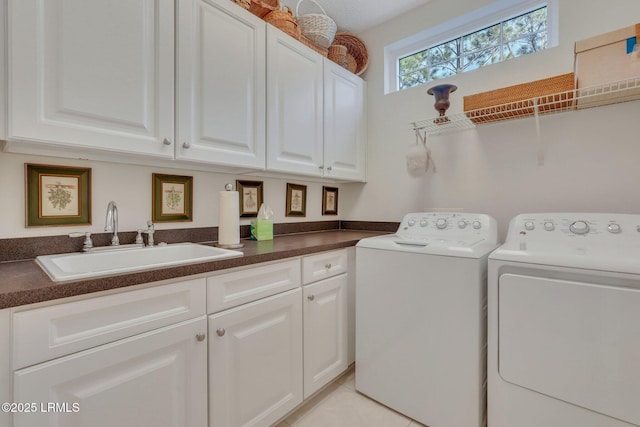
[(229, 227)]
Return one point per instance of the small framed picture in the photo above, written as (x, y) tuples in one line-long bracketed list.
[(296, 200), (172, 199), (329, 200), (251, 196), (57, 195)]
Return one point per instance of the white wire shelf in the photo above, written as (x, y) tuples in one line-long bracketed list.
[(610, 93)]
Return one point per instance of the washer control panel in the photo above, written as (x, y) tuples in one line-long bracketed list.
[(598, 227), (438, 225)]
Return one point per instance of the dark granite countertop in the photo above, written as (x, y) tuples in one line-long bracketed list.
[(23, 282)]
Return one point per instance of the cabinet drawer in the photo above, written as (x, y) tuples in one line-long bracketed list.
[(49, 332), (240, 287), (321, 266)]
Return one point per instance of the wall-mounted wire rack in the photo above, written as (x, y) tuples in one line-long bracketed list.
[(610, 93)]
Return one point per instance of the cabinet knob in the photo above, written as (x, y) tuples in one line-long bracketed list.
[(166, 141), (327, 266), (186, 145), (220, 332), (311, 297), (200, 337), (329, 168), (320, 167)]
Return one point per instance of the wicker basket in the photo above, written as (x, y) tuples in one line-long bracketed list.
[(244, 3), (284, 21), (259, 7), (319, 28), (357, 54), (520, 100), (338, 54), (321, 50)]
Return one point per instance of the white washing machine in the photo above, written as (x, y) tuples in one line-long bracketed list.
[(564, 322), (421, 317)]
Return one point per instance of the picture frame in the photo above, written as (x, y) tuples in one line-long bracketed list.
[(172, 198), (296, 202), (57, 195), (329, 200), (251, 197)]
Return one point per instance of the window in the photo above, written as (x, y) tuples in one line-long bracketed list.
[(507, 31)]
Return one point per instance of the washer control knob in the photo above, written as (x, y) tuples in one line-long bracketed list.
[(477, 225), (411, 222), (579, 227), (529, 225), (614, 228), (548, 225), (423, 223), (462, 224), (441, 223)]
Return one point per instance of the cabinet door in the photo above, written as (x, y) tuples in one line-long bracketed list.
[(92, 74), (294, 105), (255, 366), (5, 363), (153, 379), (344, 123), (220, 114), (325, 332)]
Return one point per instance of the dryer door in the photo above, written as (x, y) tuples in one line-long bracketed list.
[(578, 342)]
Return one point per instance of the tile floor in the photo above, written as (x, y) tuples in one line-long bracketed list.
[(340, 405)]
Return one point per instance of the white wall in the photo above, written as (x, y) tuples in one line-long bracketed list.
[(591, 156), (130, 187)]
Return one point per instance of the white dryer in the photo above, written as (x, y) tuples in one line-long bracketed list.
[(564, 322), (421, 317)]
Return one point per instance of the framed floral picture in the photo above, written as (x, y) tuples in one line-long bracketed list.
[(329, 200), (172, 199), (57, 195), (296, 204), (251, 196)]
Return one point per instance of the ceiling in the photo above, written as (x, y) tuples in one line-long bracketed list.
[(356, 16)]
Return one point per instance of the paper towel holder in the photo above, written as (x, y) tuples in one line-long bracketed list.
[(229, 187)]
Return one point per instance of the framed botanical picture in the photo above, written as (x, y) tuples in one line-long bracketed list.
[(57, 195), (329, 200), (172, 199), (296, 200), (251, 196)]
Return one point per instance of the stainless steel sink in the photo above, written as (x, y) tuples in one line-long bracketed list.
[(65, 267)]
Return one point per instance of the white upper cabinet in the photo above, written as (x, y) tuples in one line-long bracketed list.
[(220, 90), (294, 106), (344, 124), (315, 113), (96, 79), (92, 73)]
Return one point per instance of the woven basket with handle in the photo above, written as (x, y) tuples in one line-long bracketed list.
[(317, 27)]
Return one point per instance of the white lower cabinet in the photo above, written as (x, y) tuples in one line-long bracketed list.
[(255, 361), (153, 379), (275, 334), (5, 364), (325, 332), (283, 342), (132, 358)]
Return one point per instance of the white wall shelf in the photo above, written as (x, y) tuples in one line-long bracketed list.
[(610, 93)]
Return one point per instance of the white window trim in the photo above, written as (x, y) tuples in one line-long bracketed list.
[(476, 20)]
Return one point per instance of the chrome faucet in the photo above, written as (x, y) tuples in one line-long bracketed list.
[(111, 223)]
